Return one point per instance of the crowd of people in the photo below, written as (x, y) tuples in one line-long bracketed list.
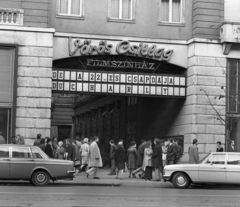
[(145, 159), (89, 155)]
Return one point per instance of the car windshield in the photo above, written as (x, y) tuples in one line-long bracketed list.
[(201, 161)]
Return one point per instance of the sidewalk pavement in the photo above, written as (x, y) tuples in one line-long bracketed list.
[(110, 180)]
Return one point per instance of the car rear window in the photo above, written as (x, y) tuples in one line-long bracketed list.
[(218, 159), (21, 152), (36, 154), (233, 159), (4, 152)]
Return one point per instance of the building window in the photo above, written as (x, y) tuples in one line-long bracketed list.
[(172, 11), (122, 10), (233, 103), (72, 8), (132, 100)]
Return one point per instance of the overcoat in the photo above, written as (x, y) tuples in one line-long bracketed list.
[(230, 149), (70, 150), (193, 154), (157, 156), (132, 158), (120, 157), (147, 159), (84, 154), (171, 152), (95, 159), (140, 154), (49, 150)]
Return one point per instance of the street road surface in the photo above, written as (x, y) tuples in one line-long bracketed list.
[(25, 195)]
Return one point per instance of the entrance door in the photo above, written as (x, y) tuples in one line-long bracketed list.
[(214, 169), (5, 120), (64, 132)]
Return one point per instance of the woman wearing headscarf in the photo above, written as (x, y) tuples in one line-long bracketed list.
[(120, 159), (147, 161), (132, 158), (60, 151), (84, 152)]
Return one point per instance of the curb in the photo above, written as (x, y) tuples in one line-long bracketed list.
[(86, 184)]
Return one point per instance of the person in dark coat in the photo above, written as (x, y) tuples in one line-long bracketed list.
[(140, 155), (112, 157), (37, 142), (157, 158), (120, 159), (232, 147), (171, 152), (70, 150), (48, 148), (42, 144), (219, 147), (132, 158)]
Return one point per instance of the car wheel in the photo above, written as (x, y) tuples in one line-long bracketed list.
[(181, 180), (40, 178)]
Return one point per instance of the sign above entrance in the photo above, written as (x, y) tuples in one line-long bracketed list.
[(125, 47), (144, 84)]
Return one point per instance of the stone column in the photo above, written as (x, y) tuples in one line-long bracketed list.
[(34, 84)]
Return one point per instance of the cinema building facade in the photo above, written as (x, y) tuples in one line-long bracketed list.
[(127, 77)]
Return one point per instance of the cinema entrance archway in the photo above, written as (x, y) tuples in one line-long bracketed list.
[(118, 96)]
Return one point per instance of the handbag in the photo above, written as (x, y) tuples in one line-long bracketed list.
[(77, 162)]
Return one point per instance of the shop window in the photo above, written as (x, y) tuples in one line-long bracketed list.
[(71, 8), (172, 11), (179, 139), (121, 10)]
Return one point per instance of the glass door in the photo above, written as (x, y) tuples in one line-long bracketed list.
[(5, 123)]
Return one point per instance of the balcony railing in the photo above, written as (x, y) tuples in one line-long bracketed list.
[(11, 16)]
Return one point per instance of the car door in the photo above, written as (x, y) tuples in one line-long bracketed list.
[(21, 163), (233, 168), (4, 162), (213, 170)]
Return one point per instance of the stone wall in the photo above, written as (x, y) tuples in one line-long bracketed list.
[(198, 119), (207, 16), (34, 72)]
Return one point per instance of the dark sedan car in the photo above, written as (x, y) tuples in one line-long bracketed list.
[(27, 162)]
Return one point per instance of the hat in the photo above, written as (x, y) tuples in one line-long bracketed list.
[(85, 140), (120, 143)]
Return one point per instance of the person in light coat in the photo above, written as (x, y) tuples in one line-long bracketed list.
[(193, 153), (84, 151), (147, 161), (95, 160)]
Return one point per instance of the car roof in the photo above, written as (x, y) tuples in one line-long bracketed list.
[(19, 145), (225, 153)]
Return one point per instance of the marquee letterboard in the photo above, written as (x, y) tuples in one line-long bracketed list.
[(145, 84)]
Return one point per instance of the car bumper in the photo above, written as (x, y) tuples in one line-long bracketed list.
[(166, 178), (71, 173)]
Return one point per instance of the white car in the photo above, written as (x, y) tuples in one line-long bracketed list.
[(216, 167)]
